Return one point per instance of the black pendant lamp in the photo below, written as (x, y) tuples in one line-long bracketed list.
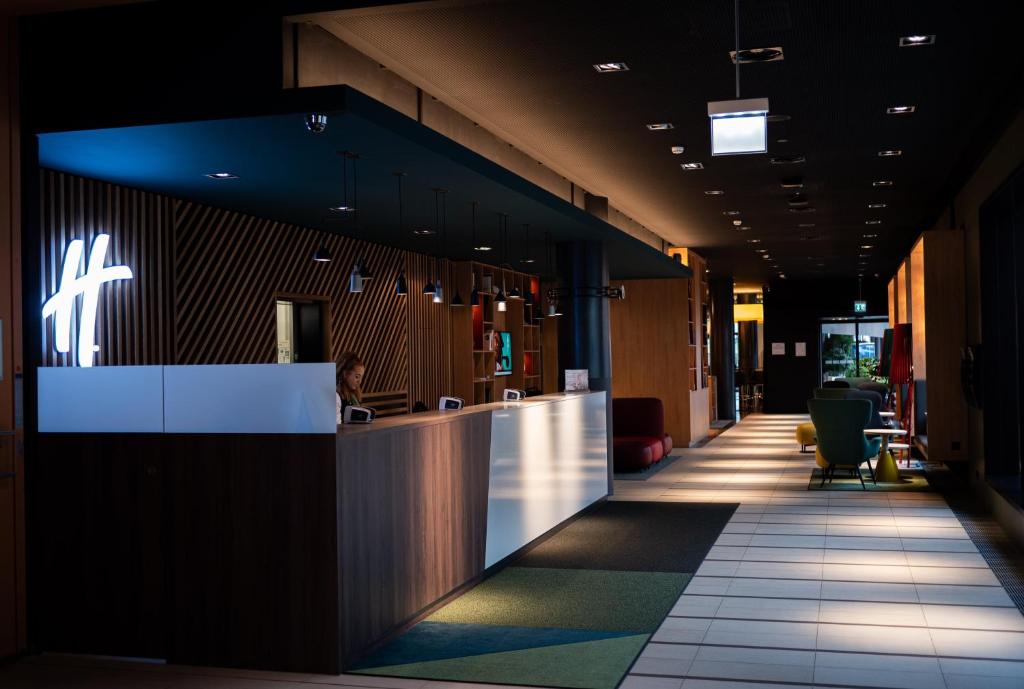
[(430, 289), (401, 286), (322, 255)]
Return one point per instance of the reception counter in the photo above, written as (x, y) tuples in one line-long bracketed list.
[(291, 548), (429, 501)]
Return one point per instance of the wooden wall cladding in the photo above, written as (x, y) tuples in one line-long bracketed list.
[(206, 280), (430, 327), (135, 320), (649, 333), (231, 267)]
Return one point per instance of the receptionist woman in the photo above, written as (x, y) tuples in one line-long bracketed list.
[(350, 381)]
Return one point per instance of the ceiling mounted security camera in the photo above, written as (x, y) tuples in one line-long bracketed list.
[(316, 122)]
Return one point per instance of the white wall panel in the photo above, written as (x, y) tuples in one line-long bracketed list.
[(549, 460)]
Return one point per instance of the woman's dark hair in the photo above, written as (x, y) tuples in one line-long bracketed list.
[(348, 361)]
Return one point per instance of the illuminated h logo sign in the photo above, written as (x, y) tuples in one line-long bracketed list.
[(61, 304)]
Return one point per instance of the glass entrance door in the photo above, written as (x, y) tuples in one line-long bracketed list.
[(851, 348)]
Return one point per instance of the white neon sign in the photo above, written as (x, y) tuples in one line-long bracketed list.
[(62, 303)]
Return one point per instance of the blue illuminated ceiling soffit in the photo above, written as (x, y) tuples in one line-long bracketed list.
[(289, 174)]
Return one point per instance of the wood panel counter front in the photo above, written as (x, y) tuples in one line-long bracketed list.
[(429, 500), (294, 552)]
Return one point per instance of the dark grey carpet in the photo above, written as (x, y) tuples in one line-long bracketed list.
[(636, 537)]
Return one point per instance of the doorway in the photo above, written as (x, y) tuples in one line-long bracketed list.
[(302, 332), (851, 347)]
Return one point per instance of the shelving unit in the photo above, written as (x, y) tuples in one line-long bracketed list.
[(475, 364)]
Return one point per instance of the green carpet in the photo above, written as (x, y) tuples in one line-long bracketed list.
[(568, 599), (575, 611), (587, 665)]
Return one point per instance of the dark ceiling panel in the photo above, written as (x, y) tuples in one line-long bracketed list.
[(287, 173), (525, 68)]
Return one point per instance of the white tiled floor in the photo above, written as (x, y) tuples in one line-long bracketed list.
[(809, 588), (804, 589)]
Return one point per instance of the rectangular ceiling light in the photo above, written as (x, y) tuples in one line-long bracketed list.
[(739, 126)]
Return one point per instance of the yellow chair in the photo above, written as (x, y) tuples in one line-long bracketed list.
[(805, 435)]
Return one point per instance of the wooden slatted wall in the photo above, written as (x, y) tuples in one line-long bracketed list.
[(206, 281), (133, 326), (430, 339), (231, 268)]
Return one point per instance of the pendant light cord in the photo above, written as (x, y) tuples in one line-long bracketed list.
[(737, 6)]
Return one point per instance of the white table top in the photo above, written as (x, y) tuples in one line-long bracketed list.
[(887, 413), (885, 431)]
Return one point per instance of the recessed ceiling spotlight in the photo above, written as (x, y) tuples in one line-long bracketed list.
[(798, 200), (482, 248), (761, 251), (743, 228), (786, 160), (754, 241), (867, 246), (877, 205), (221, 175), (730, 212), (342, 209), (660, 126), (737, 223), (678, 150), (806, 209), (792, 182), (806, 224), (916, 40), (425, 232), (692, 166), (604, 67), (782, 276), (872, 222), (713, 192), (882, 183), (782, 141), (749, 55), (890, 153), (900, 109), (766, 256), (863, 255), (869, 236)]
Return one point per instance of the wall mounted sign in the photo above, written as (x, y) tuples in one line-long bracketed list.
[(778, 349), (799, 349), (860, 306), (61, 305)]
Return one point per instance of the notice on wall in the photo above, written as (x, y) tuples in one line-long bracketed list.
[(778, 349), (799, 349)]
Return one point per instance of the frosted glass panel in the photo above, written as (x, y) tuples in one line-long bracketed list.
[(101, 399), (250, 398)]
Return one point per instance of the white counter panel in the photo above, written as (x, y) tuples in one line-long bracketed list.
[(548, 462), (250, 398), (101, 399)]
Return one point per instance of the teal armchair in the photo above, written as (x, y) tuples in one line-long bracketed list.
[(839, 426)]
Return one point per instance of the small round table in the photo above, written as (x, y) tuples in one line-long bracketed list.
[(885, 468)]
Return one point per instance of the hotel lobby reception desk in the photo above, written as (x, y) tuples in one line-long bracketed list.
[(294, 551)]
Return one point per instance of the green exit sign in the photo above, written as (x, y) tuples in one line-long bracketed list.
[(860, 306)]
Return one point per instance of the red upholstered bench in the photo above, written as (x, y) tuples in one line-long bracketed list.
[(639, 439)]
